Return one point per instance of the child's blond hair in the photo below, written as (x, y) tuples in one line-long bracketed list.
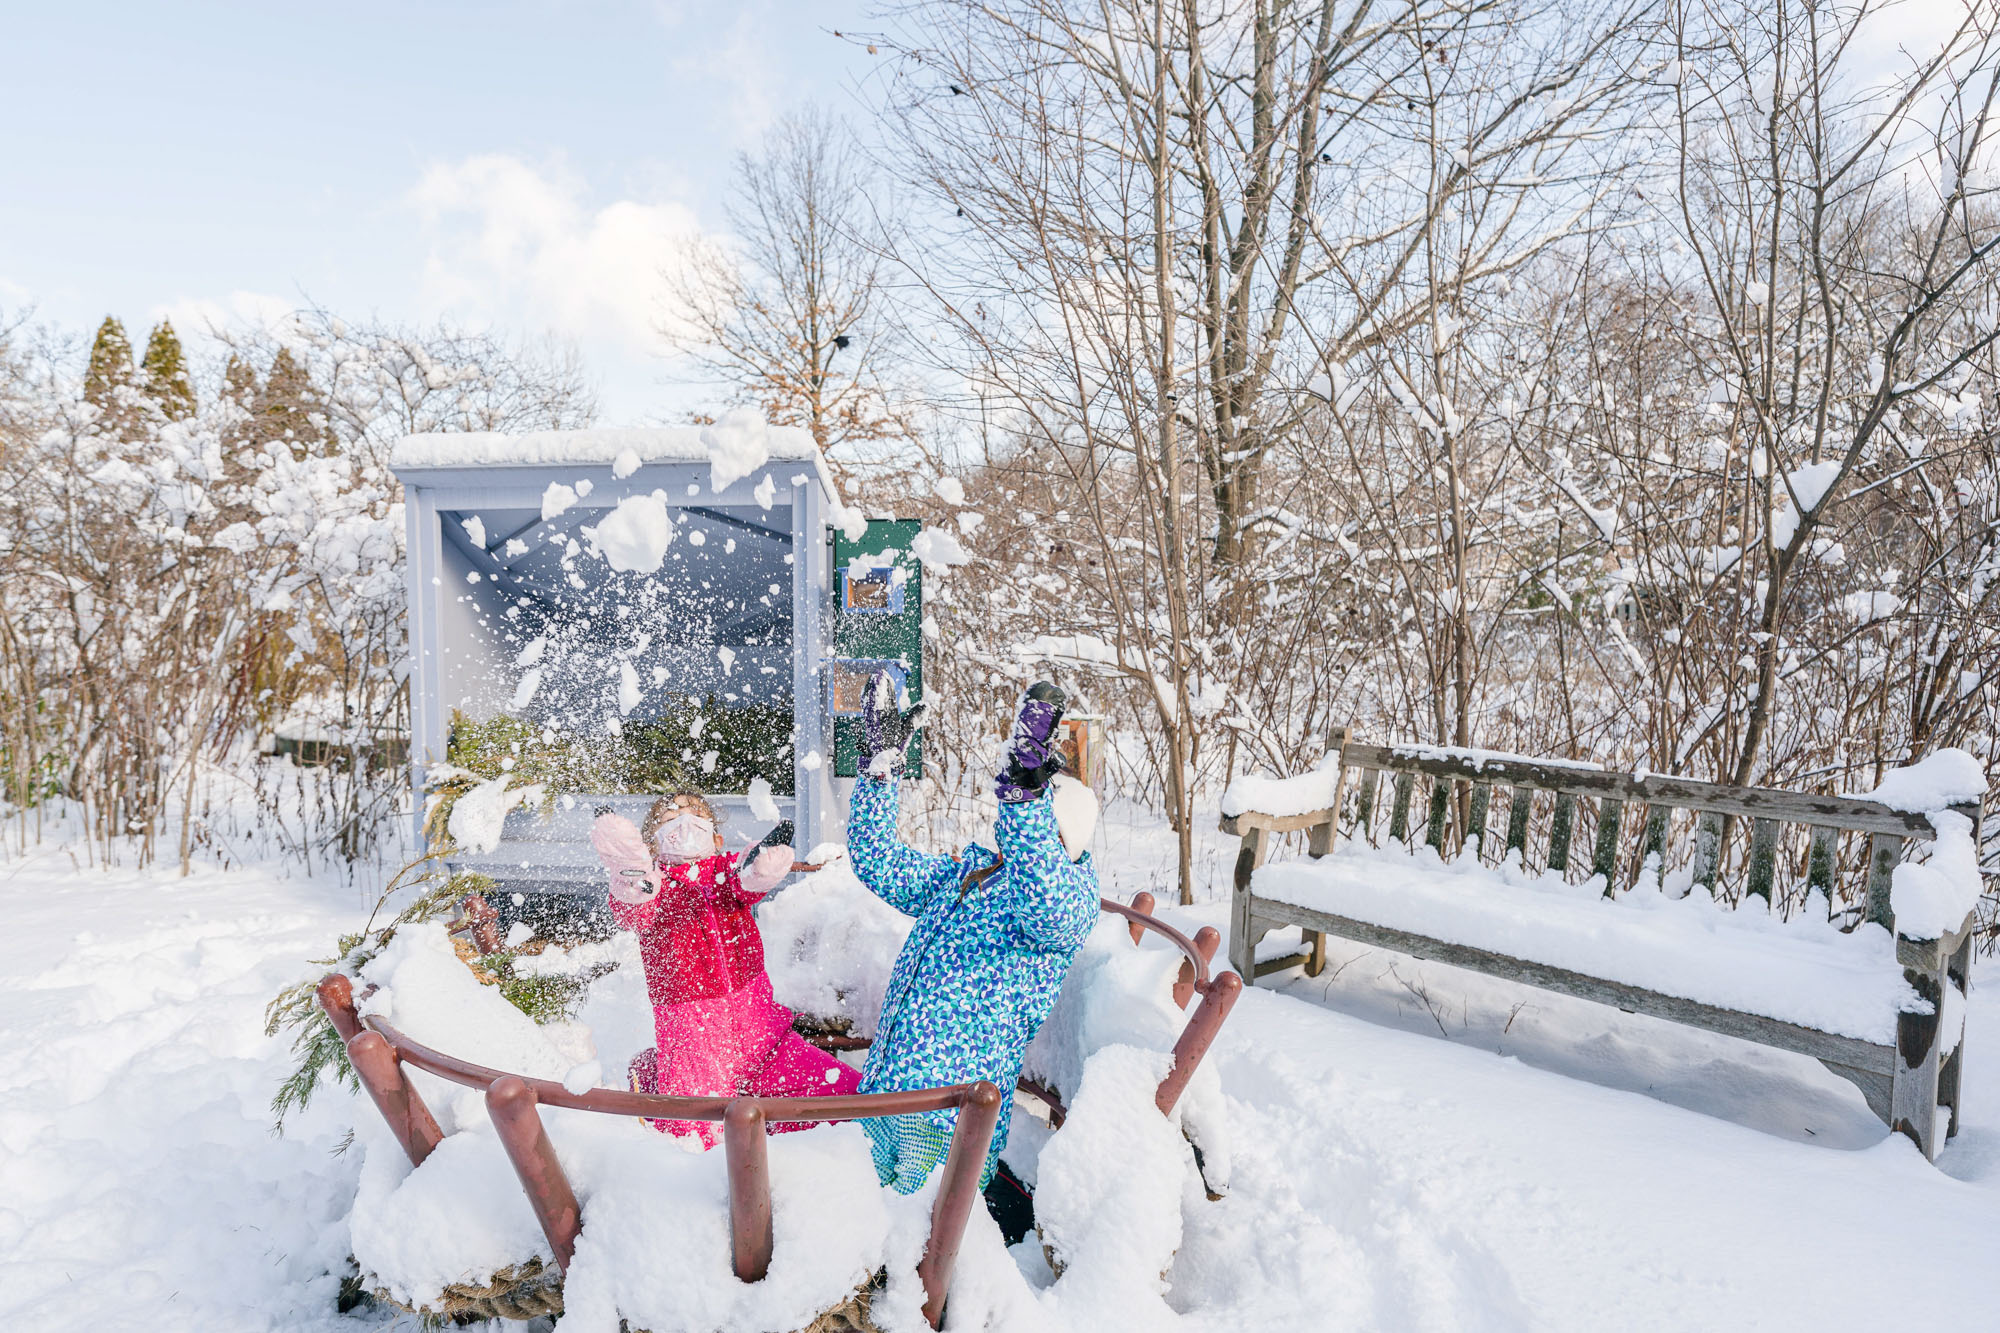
[(672, 804)]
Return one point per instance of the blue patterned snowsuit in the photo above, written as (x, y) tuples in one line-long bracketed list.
[(980, 971)]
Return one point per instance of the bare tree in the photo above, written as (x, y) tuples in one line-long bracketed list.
[(785, 313), (1149, 253), (1844, 252)]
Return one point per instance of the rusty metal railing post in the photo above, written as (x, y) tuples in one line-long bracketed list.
[(1196, 1037), (1206, 941), (381, 1072), (749, 1154), (336, 995), (1142, 902), (482, 922), (978, 1114), (510, 1103)]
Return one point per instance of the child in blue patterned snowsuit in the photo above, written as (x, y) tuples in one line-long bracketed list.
[(994, 937)]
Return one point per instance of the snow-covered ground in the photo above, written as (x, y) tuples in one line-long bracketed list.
[(140, 1184), (1414, 1148)]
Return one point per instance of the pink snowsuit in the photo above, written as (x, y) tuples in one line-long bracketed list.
[(718, 1029)]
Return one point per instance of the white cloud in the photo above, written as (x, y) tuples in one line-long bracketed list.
[(196, 316), (519, 246)]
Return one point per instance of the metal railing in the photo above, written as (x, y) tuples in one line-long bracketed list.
[(378, 1052)]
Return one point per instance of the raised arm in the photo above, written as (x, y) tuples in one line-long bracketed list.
[(760, 869), (895, 872), (1055, 898), (635, 878)]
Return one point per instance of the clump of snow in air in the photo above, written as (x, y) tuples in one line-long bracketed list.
[(478, 816), (842, 942), (627, 462), (633, 538), (583, 1078), (765, 492), (531, 652), (1757, 293), (531, 680), (763, 805), (938, 549), (951, 490), (556, 499), (851, 520), (726, 656), (475, 528), (518, 934), (628, 687), (738, 445)]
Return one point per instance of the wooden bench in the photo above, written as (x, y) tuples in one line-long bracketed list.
[(1829, 855)]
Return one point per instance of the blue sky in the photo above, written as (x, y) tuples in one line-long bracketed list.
[(525, 165)]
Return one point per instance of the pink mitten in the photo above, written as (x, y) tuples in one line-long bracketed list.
[(770, 865), (634, 877)]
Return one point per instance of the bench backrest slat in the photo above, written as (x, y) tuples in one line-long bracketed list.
[(1475, 820), (1519, 806), (1654, 788), (1821, 863), (1440, 805), (1399, 810), (1604, 857), (1560, 830), (1884, 851), (1364, 805), (1763, 858), (1592, 803), (1653, 842)]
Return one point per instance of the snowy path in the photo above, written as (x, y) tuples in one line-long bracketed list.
[(1385, 1178)]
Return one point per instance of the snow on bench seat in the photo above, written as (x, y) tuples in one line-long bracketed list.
[(1801, 971)]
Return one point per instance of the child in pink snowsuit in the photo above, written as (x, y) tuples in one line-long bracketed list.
[(719, 1030)]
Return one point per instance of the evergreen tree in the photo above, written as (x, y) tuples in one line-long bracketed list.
[(242, 390), (166, 373), (110, 377), (290, 407)]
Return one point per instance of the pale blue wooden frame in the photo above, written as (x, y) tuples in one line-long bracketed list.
[(801, 483)]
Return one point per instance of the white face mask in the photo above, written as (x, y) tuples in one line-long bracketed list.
[(685, 835)]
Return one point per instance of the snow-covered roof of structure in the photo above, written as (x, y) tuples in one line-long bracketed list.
[(739, 435)]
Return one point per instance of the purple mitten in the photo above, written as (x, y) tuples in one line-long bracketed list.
[(885, 731), (1032, 757)]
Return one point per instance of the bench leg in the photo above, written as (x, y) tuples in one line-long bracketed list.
[(1958, 972), (1243, 933), (1315, 952), (1915, 1088)]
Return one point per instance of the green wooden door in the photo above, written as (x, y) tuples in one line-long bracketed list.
[(878, 616)]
